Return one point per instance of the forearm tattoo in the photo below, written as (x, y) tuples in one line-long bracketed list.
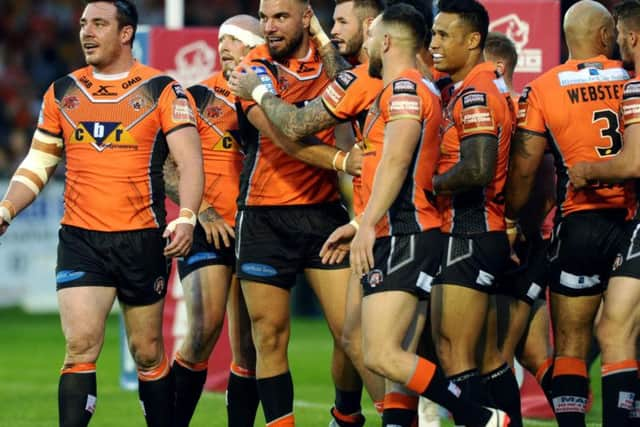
[(332, 61), (297, 123), (171, 180)]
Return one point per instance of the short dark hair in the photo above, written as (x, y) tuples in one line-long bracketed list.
[(409, 17), (365, 8), (629, 12), (425, 10), (126, 14), (501, 46), (471, 12)]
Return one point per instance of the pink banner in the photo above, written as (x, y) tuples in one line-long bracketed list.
[(534, 27)]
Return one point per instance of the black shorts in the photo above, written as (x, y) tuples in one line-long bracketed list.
[(527, 281), (273, 244), (405, 263), (203, 254), (131, 261), (627, 262), (583, 249), (474, 261)]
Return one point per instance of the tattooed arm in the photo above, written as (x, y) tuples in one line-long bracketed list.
[(297, 123), (476, 168), (171, 180), (527, 150), (332, 61)]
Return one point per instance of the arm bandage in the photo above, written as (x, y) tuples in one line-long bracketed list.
[(7, 211), (245, 36), (45, 153), (187, 216)]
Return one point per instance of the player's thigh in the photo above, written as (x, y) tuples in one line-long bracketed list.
[(83, 313), (268, 308), (330, 287), (621, 307), (205, 293), (242, 349), (458, 313), (351, 333), (573, 318), (386, 319)]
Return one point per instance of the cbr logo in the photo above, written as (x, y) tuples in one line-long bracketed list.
[(529, 60), (102, 135)]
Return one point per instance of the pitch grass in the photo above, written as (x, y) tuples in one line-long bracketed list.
[(31, 354)]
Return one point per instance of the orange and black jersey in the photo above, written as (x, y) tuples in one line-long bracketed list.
[(575, 106), (407, 97), (630, 116), (479, 105), (113, 133), (219, 133), (349, 97), (270, 177)]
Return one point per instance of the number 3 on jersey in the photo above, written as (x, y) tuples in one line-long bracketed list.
[(611, 131)]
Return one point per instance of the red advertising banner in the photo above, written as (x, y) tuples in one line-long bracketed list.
[(190, 56), (534, 27)]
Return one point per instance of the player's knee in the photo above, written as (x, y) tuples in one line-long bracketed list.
[(350, 346), (146, 353), (83, 348), (269, 337), (380, 360), (201, 341), (609, 333)]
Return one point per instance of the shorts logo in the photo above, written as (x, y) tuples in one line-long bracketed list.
[(259, 270), (375, 278), (617, 262), (158, 285), (90, 406), (201, 256), (626, 400), (66, 276)]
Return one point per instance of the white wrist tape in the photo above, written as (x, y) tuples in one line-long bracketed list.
[(258, 93), (7, 211), (245, 36), (355, 224), (322, 39), (187, 216)]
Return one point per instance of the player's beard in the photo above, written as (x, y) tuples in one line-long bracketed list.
[(352, 46), (287, 49), (375, 66), (626, 56)]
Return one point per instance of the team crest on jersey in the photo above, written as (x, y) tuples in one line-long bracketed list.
[(213, 111), (103, 135), (228, 142), (70, 102), (137, 103), (375, 278)]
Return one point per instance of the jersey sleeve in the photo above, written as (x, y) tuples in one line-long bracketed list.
[(176, 108), (530, 114), (347, 95), (401, 101), (476, 114), (49, 116), (630, 105)]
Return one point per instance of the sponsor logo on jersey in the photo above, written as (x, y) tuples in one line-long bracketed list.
[(405, 86), (181, 111), (104, 90), (404, 106), (102, 135), (227, 143)]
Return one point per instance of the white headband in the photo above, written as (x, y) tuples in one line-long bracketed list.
[(247, 37)]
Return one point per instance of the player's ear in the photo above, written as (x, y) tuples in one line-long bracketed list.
[(473, 40), (306, 17), (500, 67), (126, 33)]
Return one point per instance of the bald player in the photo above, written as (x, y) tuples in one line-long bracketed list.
[(617, 330), (206, 272), (572, 108)]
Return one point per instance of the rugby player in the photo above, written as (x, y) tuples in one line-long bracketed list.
[(396, 249), (617, 330), (114, 120), (206, 272), (572, 108), (469, 182)]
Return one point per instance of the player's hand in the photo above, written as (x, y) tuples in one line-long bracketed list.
[(354, 162), (243, 81), (217, 230), (337, 245), (361, 257), (578, 175), (314, 25), (181, 240)]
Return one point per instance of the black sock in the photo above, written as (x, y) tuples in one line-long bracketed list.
[(242, 399), (504, 393), (348, 402), (77, 394), (634, 414), (472, 386), (276, 395), (546, 383), (157, 398), (189, 384), (445, 392), (398, 417), (618, 392), (570, 391)]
